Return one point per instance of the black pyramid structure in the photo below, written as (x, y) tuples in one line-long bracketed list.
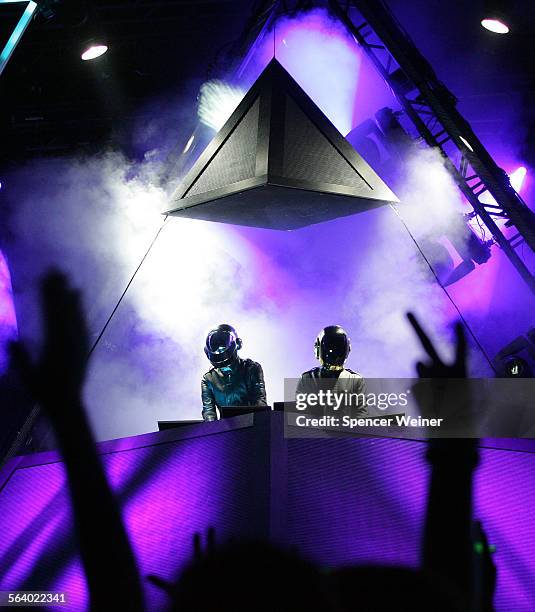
[(278, 163)]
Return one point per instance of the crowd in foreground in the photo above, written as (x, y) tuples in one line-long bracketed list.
[(456, 572)]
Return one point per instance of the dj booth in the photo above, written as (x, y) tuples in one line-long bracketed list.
[(337, 501)]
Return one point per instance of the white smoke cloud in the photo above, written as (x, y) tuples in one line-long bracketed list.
[(95, 218), (217, 102)]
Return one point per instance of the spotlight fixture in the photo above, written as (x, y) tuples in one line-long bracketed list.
[(397, 139), (91, 35), (366, 138), (466, 143), (382, 139), (93, 49), (189, 143), (517, 178), (495, 25), (494, 18), (517, 359), (516, 367)]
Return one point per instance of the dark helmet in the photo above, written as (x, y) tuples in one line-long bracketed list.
[(332, 346), (222, 345)]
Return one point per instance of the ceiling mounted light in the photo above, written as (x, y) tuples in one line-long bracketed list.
[(91, 36), (495, 25), (93, 49), (466, 143), (189, 143), (495, 19)]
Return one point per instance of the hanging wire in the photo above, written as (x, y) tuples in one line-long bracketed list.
[(127, 287), (22, 437), (461, 316)]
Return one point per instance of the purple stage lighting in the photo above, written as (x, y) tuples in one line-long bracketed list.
[(8, 321), (325, 60), (162, 485), (517, 178)]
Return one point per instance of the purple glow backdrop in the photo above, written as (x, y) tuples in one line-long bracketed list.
[(8, 319), (348, 501), (96, 218)]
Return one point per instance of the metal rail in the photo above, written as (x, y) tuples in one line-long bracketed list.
[(432, 109)]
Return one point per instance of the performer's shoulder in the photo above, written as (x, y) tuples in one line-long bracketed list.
[(353, 373), (250, 364), (313, 373), (208, 375)]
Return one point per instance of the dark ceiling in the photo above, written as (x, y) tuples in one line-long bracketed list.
[(52, 103)]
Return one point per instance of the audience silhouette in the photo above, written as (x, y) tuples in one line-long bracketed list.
[(244, 575)]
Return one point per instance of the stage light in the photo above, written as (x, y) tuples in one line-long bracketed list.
[(457, 240), (517, 359), (516, 367), (397, 139), (495, 18), (495, 25), (517, 178), (93, 50), (217, 101), (365, 139), (189, 143), (8, 319), (466, 143)]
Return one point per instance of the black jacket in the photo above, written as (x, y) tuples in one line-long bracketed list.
[(342, 381), (243, 386)]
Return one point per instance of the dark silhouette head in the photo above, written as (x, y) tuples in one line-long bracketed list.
[(249, 576)]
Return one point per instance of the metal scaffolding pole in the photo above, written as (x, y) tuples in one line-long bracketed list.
[(432, 109)]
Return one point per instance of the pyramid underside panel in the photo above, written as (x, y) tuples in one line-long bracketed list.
[(276, 207), (235, 160), (308, 153)]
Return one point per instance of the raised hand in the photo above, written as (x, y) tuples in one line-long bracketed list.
[(56, 381), (447, 544), (436, 368), (60, 371), (447, 395)]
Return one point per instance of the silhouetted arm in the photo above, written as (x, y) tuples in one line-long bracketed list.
[(447, 543), (56, 382)]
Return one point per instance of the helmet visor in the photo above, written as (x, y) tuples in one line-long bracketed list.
[(334, 349), (221, 347)]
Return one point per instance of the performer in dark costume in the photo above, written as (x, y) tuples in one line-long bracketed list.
[(231, 381), (332, 348)]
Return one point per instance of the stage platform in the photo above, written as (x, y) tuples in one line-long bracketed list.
[(338, 501)]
